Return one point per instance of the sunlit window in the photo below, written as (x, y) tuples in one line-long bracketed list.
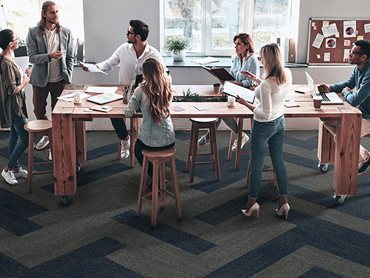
[(210, 25), (20, 15)]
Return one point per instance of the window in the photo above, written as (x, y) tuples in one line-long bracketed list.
[(210, 25), (20, 15)]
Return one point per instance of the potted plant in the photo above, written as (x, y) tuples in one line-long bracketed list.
[(176, 45)]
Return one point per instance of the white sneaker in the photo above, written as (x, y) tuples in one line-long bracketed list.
[(204, 140), (9, 177), (125, 148), (245, 139), (20, 173), (50, 156), (43, 143)]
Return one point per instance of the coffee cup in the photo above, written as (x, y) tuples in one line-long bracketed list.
[(317, 102), (217, 88), (77, 98), (230, 101)]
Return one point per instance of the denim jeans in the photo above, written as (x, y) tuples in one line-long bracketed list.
[(18, 141), (271, 133), (119, 126)]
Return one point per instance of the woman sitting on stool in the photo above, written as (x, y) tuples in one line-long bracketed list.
[(153, 97)]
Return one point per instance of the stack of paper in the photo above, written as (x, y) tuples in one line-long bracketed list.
[(206, 60)]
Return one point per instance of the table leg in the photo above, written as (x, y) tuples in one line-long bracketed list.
[(239, 137), (346, 154), (64, 155), (80, 128)]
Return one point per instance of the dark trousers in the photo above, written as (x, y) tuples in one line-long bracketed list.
[(40, 95), (119, 126), (140, 146)]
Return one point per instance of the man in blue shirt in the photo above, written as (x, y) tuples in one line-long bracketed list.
[(360, 79)]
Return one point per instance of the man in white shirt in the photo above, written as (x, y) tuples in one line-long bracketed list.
[(50, 50), (129, 57)]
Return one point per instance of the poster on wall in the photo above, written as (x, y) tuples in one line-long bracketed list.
[(349, 29)]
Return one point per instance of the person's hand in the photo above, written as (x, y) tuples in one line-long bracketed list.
[(346, 90), (56, 54), (241, 100), (323, 88), (26, 79), (252, 88), (251, 76), (84, 68), (27, 71)]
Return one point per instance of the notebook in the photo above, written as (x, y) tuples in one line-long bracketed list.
[(234, 90), (104, 98), (327, 98)]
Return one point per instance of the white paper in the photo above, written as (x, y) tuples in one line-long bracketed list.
[(101, 90), (325, 23), (347, 43), (92, 68), (326, 57), (236, 90), (331, 43), (346, 55), (330, 30), (206, 60), (69, 97), (367, 28), (318, 41), (349, 29)]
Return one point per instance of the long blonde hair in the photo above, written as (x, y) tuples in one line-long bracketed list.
[(157, 87), (273, 64)]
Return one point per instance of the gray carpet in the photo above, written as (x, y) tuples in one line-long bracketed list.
[(99, 235)]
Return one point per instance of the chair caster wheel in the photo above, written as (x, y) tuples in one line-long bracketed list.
[(340, 199), (323, 167)]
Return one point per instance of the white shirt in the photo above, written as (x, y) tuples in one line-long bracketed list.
[(271, 98), (129, 64), (55, 73)]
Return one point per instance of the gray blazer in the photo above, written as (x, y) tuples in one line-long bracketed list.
[(37, 50)]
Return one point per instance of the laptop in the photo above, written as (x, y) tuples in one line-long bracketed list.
[(327, 98)]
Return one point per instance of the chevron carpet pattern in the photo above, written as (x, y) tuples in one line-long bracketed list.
[(99, 235)]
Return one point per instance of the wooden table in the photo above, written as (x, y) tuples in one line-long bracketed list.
[(68, 131)]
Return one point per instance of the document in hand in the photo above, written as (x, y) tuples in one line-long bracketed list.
[(92, 68), (220, 73), (234, 90)]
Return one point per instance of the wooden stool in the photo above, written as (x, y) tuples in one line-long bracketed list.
[(158, 160), (33, 128), (199, 123), (269, 170)]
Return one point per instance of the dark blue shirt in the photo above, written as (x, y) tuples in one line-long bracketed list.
[(360, 79)]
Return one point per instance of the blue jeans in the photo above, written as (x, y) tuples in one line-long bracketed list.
[(271, 133), (18, 141)]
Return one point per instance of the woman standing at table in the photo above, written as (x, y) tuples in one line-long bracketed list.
[(245, 60), (153, 97), (268, 127), (13, 111)]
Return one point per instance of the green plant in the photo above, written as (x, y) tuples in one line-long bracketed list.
[(175, 44), (189, 96)]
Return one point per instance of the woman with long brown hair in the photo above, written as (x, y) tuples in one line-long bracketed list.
[(153, 97)]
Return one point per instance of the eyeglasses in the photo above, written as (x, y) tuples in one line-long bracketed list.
[(355, 52), (129, 33)]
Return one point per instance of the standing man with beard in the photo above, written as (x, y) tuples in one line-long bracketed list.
[(50, 50), (129, 57)]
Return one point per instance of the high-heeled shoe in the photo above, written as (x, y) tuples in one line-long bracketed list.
[(254, 208), (283, 211)]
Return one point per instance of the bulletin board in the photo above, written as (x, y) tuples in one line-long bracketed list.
[(330, 40)]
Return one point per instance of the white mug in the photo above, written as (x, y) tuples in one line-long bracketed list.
[(230, 101), (77, 98)]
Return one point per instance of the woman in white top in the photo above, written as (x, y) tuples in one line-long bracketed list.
[(268, 126)]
